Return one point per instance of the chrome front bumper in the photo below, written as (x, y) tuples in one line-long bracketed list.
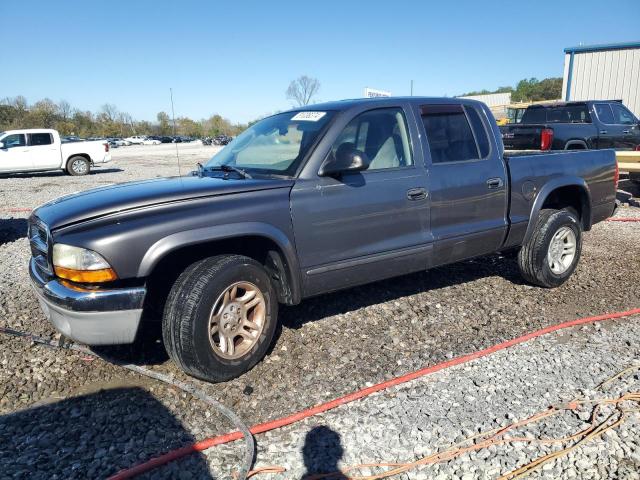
[(91, 316)]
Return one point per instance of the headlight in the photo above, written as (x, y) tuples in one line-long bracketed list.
[(81, 265)]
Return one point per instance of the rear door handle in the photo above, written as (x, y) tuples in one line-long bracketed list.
[(416, 194), (494, 183), (603, 132), (625, 131)]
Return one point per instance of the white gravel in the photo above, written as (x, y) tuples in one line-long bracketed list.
[(413, 420)]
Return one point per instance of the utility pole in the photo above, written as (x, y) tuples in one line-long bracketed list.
[(412, 88)]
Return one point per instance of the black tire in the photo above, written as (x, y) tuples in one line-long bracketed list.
[(185, 323), (78, 166), (532, 258)]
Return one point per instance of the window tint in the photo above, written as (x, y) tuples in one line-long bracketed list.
[(449, 134), (603, 111), (568, 114), (15, 140), (534, 115), (381, 134), (40, 139), (622, 116), (479, 130)]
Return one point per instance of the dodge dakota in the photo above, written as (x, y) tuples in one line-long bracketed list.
[(302, 203)]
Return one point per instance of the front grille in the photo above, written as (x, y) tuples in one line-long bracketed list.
[(39, 239)]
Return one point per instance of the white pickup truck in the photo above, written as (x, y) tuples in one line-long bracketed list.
[(41, 149)]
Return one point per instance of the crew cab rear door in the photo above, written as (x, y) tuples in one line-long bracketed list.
[(468, 181), (44, 151)]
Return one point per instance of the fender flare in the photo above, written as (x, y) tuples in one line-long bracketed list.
[(570, 143), (547, 189), (173, 242)]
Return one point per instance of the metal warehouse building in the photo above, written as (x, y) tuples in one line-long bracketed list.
[(603, 72)]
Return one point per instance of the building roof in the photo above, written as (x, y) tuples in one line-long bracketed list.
[(602, 47)]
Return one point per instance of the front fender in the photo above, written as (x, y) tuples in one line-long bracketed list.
[(546, 190), (168, 244)]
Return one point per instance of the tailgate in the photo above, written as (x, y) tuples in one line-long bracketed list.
[(521, 137)]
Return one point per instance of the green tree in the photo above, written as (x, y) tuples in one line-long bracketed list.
[(164, 128)]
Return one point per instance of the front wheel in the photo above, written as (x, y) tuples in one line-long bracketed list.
[(78, 166), (551, 255), (220, 317)]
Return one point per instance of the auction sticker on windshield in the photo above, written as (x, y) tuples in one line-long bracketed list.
[(309, 116)]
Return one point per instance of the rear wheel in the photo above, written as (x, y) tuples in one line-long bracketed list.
[(551, 255), (78, 166), (220, 317)]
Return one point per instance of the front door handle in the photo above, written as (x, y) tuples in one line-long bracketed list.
[(416, 194), (603, 132), (625, 131), (494, 183)]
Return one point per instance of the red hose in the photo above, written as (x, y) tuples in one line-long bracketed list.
[(323, 407)]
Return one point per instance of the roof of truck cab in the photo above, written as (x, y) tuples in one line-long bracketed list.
[(30, 130), (561, 103), (346, 104)]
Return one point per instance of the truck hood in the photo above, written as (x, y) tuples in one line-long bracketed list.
[(98, 202)]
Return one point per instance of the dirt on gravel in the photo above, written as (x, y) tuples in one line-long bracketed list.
[(326, 346)]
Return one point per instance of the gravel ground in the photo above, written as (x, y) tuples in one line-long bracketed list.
[(409, 422), (327, 346)]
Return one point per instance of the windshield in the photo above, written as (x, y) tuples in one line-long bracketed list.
[(275, 145)]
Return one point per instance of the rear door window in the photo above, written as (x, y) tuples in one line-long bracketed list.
[(36, 139), (449, 134), (604, 113), (568, 114)]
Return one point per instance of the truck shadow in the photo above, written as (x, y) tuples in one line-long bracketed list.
[(12, 229), (57, 173), (83, 437), (317, 308), (148, 348)]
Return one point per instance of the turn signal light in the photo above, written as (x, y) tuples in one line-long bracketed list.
[(86, 276), (546, 139)]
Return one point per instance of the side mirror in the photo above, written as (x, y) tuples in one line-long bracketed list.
[(346, 159), (1, 144)]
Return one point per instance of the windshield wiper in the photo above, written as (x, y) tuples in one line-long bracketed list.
[(229, 168)]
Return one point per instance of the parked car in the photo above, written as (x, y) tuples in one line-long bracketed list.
[(71, 139), (151, 141), (594, 124), (136, 139), (166, 139), (302, 203), (118, 142), (42, 149), (222, 140)]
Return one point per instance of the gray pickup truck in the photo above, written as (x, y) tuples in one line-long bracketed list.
[(302, 203)]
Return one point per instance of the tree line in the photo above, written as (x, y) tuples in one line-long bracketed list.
[(17, 113), (529, 90)]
